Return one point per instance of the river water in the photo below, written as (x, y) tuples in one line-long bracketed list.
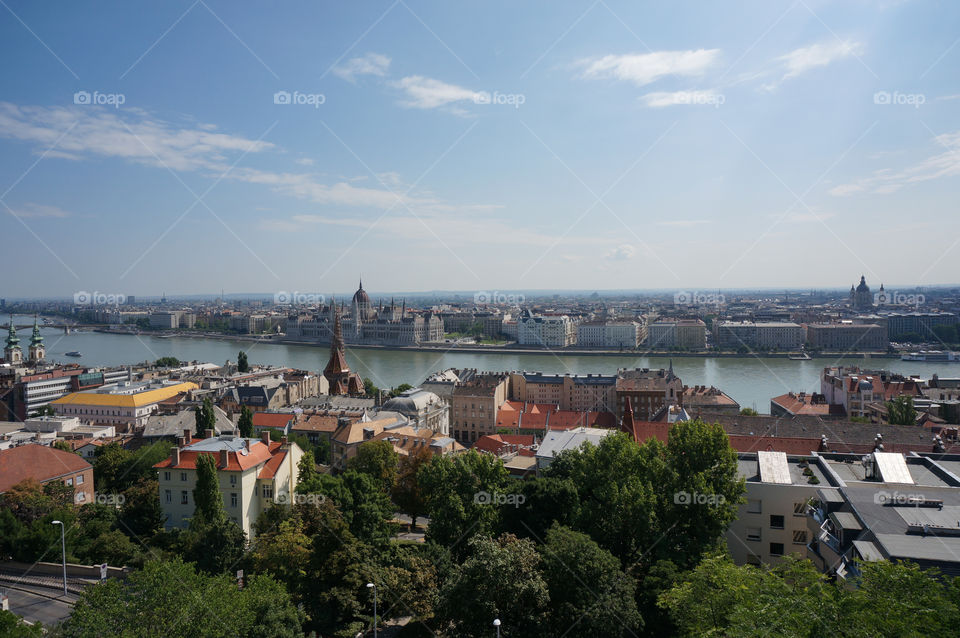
[(752, 382)]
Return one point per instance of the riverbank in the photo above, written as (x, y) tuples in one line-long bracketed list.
[(500, 350)]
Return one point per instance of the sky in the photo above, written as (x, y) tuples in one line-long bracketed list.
[(192, 146)]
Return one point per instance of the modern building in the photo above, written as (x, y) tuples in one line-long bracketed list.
[(46, 464), (765, 335), (918, 323), (846, 336), (253, 475)]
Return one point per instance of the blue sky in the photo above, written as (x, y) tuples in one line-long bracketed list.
[(477, 145)]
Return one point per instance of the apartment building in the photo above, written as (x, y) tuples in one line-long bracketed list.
[(589, 392), (608, 334), (846, 336), (686, 334), (648, 391), (769, 335), (474, 406), (46, 464), (253, 475), (550, 331)]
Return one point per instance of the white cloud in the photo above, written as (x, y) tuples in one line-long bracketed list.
[(427, 93), (814, 56), (684, 223), (620, 253), (660, 99), (39, 210), (644, 68), (888, 180), (86, 130), (369, 64)]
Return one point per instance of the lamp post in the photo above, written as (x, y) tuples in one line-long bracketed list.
[(374, 588), (496, 623), (63, 553)]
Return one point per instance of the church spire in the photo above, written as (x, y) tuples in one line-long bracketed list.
[(627, 423), (36, 338), (12, 338)]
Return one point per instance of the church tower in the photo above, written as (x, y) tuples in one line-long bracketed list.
[(37, 352), (12, 353)]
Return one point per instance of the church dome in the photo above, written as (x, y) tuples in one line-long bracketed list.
[(361, 296), (863, 287)]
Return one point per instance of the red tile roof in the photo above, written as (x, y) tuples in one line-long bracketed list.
[(270, 469), (259, 453), (272, 419), (38, 462)]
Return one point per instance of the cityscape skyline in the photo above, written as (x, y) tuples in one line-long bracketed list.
[(556, 149)]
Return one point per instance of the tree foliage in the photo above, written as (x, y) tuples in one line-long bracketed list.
[(245, 422), (900, 411), (243, 365)]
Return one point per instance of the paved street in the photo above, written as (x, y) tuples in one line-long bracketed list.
[(36, 605)]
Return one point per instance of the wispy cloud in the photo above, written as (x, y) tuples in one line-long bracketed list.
[(428, 93), (620, 253), (684, 223), (644, 68), (821, 54), (370, 64), (39, 210), (137, 137), (888, 180)]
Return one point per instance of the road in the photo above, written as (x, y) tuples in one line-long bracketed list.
[(39, 604)]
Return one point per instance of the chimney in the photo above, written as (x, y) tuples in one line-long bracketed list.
[(187, 436), (283, 441), (224, 458), (208, 433), (179, 441), (174, 456), (246, 444), (265, 437)]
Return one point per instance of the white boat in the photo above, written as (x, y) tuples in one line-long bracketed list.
[(803, 356), (931, 355)]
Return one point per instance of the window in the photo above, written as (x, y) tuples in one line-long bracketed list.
[(776, 549), (753, 559), (81, 497), (183, 497), (233, 479), (800, 537), (183, 476), (69, 482), (267, 491), (753, 506), (166, 476), (233, 499), (799, 509), (79, 479), (753, 533), (776, 521)]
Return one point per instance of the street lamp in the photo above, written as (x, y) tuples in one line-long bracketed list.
[(374, 588), (63, 553), (496, 623)]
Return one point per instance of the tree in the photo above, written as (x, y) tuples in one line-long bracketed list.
[(60, 444), (170, 598), (208, 501), (364, 506), (406, 492), (400, 389), (245, 422), (141, 514), (587, 588), (946, 334), (206, 418), (167, 362), (369, 389), (900, 411), (12, 626), (543, 502), (748, 412), (500, 579), (242, 364), (459, 493), (377, 459)]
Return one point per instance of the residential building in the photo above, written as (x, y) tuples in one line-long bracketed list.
[(701, 399), (648, 391), (475, 404), (170, 426), (855, 389), (684, 334), (253, 475), (558, 441), (608, 334), (797, 403), (537, 419), (350, 435), (846, 336), (578, 392), (549, 331), (46, 464), (918, 323), (766, 335)]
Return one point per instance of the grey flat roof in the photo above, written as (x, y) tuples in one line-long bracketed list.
[(845, 520), (931, 548), (867, 550)]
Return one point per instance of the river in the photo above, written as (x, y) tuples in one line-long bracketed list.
[(751, 381)]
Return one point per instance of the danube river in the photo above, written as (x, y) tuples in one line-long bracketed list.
[(751, 381)]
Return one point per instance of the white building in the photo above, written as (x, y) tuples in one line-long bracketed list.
[(608, 334), (423, 409), (127, 406), (549, 330)]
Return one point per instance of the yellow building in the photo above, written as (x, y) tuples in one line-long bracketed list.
[(125, 405)]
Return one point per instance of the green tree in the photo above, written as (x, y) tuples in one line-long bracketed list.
[(406, 492), (207, 498), (12, 626), (242, 364), (748, 412), (141, 515), (369, 389), (587, 588), (245, 422), (400, 389), (170, 598), (946, 334), (167, 362), (206, 418), (900, 411), (459, 493), (60, 444), (543, 503), (378, 460), (500, 579)]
